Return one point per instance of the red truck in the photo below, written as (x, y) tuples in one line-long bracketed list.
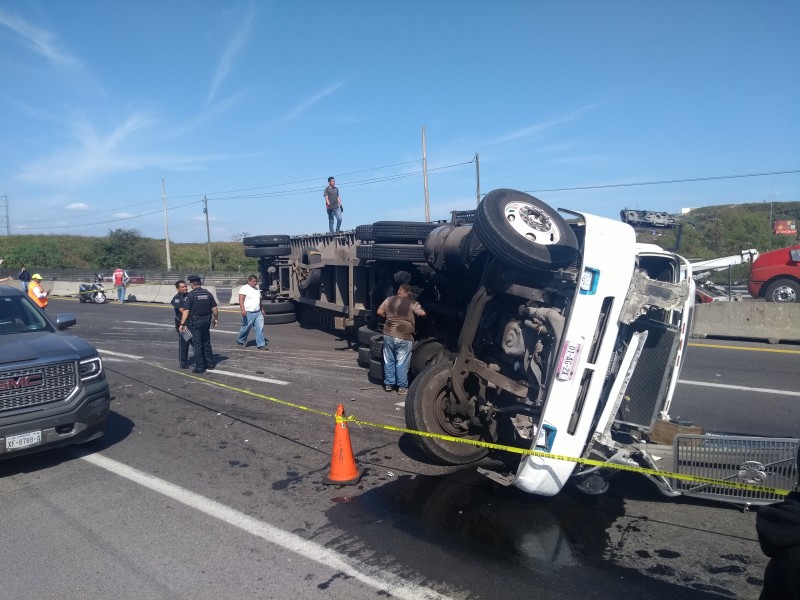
[(775, 276)]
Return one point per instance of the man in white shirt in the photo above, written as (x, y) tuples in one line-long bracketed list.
[(252, 313)]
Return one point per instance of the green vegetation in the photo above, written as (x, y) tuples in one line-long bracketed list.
[(121, 247)]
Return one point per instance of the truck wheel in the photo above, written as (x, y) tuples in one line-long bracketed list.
[(280, 319), (267, 251), (395, 252), (426, 410), (401, 231), (364, 233), (523, 231), (366, 333), (266, 240), (425, 355), (277, 308), (364, 356), (375, 370), (376, 347), (783, 290)]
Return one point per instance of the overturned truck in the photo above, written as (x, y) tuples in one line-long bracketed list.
[(547, 329)]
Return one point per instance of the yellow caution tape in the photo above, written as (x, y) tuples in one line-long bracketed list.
[(489, 445)]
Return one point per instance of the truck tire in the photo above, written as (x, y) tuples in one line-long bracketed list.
[(277, 308), (267, 251), (310, 256), (366, 333), (375, 371), (364, 356), (524, 232), (394, 252), (376, 347), (783, 290), (364, 233), (401, 231), (280, 319), (424, 355), (266, 240), (425, 411)]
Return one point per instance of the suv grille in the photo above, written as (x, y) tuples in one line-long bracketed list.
[(37, 384)]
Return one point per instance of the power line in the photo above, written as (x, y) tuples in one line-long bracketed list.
[(617, 185)]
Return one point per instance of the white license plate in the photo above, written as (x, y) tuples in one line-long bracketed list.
[(567, 361), (23, 440)]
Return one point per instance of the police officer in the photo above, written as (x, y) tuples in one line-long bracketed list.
[(177, 302), (200, 312)]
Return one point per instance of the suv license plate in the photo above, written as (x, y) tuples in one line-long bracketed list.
[(23, 440)]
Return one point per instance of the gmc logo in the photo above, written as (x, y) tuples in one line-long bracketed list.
[(26, 381)]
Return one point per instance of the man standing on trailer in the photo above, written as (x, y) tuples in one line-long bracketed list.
[(398, 337), (333, 204)]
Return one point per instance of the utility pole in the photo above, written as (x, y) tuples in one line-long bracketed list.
[(425, 177), (166, 222), (477, 179), (208, 232), (4, 220)]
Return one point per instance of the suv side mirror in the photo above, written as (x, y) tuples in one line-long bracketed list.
[(65, 320)]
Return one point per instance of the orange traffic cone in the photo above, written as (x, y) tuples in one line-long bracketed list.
[(343, 466)]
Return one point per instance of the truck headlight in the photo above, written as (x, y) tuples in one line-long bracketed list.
[(91, 368)]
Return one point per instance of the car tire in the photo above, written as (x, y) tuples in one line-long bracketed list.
[(266, 240), (522, 231), (392, 252), (785, 291), (267, 251), (277, 308), (280, 319), (424, 411), (401, 231)]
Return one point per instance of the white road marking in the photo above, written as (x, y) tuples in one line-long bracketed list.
[(740, 388), (380, 580), (251, 377), (134, 357)]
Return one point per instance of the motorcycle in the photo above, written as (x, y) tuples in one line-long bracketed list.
[(92, 292)]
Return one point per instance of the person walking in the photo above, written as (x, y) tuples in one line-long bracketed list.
[(24, 277), (399, 311), (121, 280), (333, 204), (200, 311), (184, 339), (36, 292), (252, 313)]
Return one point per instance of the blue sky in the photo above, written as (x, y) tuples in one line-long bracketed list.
[(255, 103)]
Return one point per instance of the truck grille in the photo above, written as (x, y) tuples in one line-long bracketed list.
[(37, 385), (766, 462)]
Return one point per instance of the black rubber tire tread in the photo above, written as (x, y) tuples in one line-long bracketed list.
[(364, 251), (267, 251), (788, 283), (363, 356), (396, 252), (364, 233), (509, 246), (366, 333), (310, 284), (280, 319), (266, 240), (376, 347), (424, 355), (376, 370), (401, 231), (421, 401), (277, 308)]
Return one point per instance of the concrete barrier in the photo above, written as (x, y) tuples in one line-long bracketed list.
[(62, 288), (771, 321)]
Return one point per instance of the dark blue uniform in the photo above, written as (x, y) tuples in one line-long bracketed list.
[(178, 301), (199, 303)]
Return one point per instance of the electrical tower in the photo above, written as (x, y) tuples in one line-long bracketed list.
[(5, 222)]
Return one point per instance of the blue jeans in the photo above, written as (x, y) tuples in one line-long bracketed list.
[(335, 212), (256, 320), (396, 358), (121, 293)]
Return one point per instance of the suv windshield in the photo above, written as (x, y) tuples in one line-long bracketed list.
[(19, 315)]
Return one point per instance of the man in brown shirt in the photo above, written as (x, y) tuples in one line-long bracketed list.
[(398, 337)]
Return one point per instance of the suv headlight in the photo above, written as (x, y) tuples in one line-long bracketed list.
[(91, 368)]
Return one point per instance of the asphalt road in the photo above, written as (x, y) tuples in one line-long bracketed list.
[(211, 487)]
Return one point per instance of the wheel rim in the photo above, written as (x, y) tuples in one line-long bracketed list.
[(784, 294), (532, 223), (446, 424)]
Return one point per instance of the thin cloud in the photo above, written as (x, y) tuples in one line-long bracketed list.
[(123, 215), (313, 100), (232, 50), (40, 41), (538, 129), (77, 206)]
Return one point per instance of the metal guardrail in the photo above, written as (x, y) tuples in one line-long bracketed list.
[(762, 461)]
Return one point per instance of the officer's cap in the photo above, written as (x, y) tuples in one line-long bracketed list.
[(194, 278)]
